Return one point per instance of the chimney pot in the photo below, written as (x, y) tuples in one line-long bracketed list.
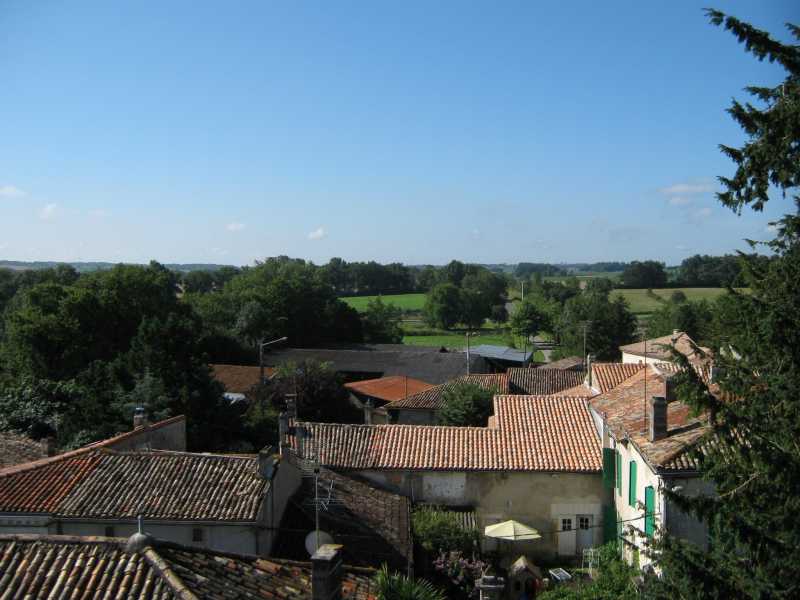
[(326, 573), (139, 417), (657, 422)]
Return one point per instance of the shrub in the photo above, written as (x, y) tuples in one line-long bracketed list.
[(437, 530), (393, 586)]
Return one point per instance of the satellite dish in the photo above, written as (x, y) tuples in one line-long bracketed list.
[(311, 541)]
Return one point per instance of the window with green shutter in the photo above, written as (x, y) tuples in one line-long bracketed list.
[(608, 468), (649, 510), (619, 473), (609, 524), (632, 483)]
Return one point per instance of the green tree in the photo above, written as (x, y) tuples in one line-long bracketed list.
[(528, 319), (607, 325), (644, 274), (614, 581), (443, 306), (441, 530), (753, 458), (693, 317), (319, 393), (381, 322), (466, 405)]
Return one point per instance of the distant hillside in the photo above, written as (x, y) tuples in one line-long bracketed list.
[(86, 267)]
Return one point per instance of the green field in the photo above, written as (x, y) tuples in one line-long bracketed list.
[(405, 302), (641, 303)]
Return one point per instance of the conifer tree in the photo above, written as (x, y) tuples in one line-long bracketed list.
[(752, 455)]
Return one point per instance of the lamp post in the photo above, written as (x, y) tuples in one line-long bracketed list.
[(261, 346)]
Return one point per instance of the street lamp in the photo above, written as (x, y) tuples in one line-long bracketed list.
[(261, 346)]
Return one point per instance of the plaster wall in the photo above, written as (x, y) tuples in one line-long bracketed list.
[(540, 500)]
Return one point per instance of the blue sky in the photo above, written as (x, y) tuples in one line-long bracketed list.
[(404, 131)]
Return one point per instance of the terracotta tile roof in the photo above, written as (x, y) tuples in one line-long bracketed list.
[(623, 409), (16, 449), (529, 433), (239, 379), (373, 525), (606, 376), (433, 398), (574, 363), (389, 389), (35, 566), (543, 381), (658, 347), (103, 483)]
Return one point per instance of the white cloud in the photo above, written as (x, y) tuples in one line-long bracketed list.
[(9, 191), (702, 213), (234, 226), (687, 189), (48, 212), (317, 234), (679, 201), (99, 213)]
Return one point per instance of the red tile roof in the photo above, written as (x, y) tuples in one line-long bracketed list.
[(389, 389), (102, 483), (606, 376), (239, 379), (433, 398), (624, 410), (543, 381), (530, 433), (36, 566)]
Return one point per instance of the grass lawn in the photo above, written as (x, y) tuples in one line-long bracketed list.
[(407, 302), (641, 303)]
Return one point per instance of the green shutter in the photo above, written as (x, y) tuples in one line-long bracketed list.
[(608, 468), (632, 484), (609, 524), (619, 473), (649, 510)]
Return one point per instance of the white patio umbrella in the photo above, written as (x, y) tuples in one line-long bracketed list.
[(511, 530)]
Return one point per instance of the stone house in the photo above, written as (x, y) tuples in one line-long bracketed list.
[(222, 502), (657, 350), (648, 437), (538, 462)]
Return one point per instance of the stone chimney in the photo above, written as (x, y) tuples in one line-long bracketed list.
[(48, 446), (326, 573), (139, 417), (657, 422), (267, 463)]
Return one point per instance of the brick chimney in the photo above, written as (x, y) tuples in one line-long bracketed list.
[(657, 421), (139, 417), (326, 573)]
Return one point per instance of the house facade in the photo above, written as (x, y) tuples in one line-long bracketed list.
[(222, 502), (538, 462), (648, 441)]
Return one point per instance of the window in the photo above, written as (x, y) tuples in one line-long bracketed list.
[(197, 534), (632, 484), (583, 522), (608, 468), (110, 531), (566, 524), (649, 510)]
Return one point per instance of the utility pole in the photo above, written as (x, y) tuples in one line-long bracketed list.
[(523, 291), (468, 334)]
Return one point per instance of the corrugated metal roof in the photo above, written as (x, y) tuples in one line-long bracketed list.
[(501, 353)]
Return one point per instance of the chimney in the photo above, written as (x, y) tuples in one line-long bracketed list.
[(675, 334), (49, 446), (267, 462), (326, 573), (139, 417), (369, 406), (657, 423)]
